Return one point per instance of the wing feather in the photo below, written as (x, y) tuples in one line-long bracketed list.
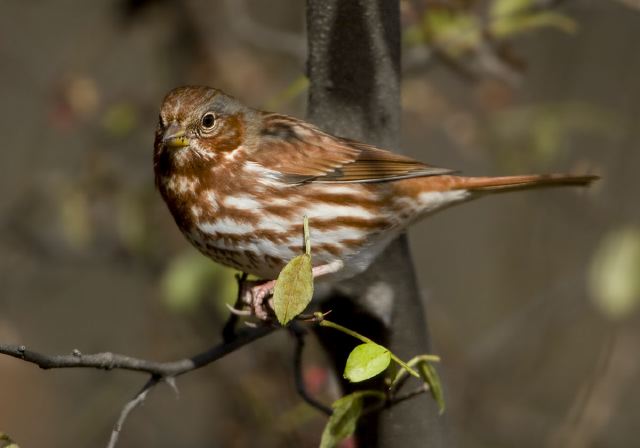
[(304, 153)]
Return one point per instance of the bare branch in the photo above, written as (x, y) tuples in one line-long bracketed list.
[(299, 334), (108, 360), (407, 396), (159, 371), (130, 406)]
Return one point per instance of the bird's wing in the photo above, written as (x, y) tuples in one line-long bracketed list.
[(301, 153)]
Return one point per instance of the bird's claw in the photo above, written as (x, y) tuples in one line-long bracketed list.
[(257, 295), (238, 312)]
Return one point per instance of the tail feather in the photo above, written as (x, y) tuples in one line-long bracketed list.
[(510, 183)]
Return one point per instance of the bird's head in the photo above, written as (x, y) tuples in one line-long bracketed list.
[(198, 126)]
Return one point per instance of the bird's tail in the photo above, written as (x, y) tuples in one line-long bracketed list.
[(521, 182)]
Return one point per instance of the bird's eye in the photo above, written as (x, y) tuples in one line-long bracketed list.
[(208, 120)]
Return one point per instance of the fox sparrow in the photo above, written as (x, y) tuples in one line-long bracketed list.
[(238, 182)]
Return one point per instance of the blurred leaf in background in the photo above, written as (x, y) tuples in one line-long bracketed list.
[(74, 216), (511, 17), (190, 276), (537, 135), (453, 31), (120, 119), (614, 279), (76, 98), (82, 95), (463, 30), (6, 441), (131, 222)]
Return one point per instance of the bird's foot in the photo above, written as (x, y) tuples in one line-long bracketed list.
[(256, 295)]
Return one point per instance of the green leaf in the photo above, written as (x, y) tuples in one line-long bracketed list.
[(502, 8), (366, 361), (401, 373), (453, 32), (5, 438), (75, 217), (342, 422), (512, 25), (294, 289), (614, 278), (189, 277), (429, 375), (120, 119)]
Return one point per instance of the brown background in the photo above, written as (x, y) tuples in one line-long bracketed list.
[(88, 252)]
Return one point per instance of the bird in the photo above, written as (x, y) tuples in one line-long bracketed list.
[(239, 181)]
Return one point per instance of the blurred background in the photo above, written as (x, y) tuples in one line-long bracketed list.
[(531, 297)]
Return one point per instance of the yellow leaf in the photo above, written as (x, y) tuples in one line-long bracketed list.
[(502, 8), (294, 289), (614, 279)]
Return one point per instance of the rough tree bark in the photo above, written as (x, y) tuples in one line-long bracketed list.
[(354, 69)]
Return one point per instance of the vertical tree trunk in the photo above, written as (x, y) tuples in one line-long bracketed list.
[(354, 69)]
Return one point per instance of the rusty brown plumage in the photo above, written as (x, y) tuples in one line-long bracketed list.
[(238, 182)]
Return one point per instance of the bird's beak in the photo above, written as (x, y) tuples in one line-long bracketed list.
[(174, 137)]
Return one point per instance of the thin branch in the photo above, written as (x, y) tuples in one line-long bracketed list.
[(299, 334), (391, 401), (159, 371), (130, 406), (229, 329), (109, 361), (407, 396)]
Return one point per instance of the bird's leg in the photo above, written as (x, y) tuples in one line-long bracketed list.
[(256, 293), (326, 269), (229, 329)]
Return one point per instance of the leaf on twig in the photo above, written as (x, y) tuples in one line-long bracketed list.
[(430, 376), (366, 361), (342, 422), (294, 287)]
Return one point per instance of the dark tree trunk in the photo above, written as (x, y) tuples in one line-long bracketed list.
[(354, 69)]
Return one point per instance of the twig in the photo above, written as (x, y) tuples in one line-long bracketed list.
[(391, 401), (229, 329), (327, 323), (159, 371), (130, 406), (108, 360), (399, 399), (299, 334)]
